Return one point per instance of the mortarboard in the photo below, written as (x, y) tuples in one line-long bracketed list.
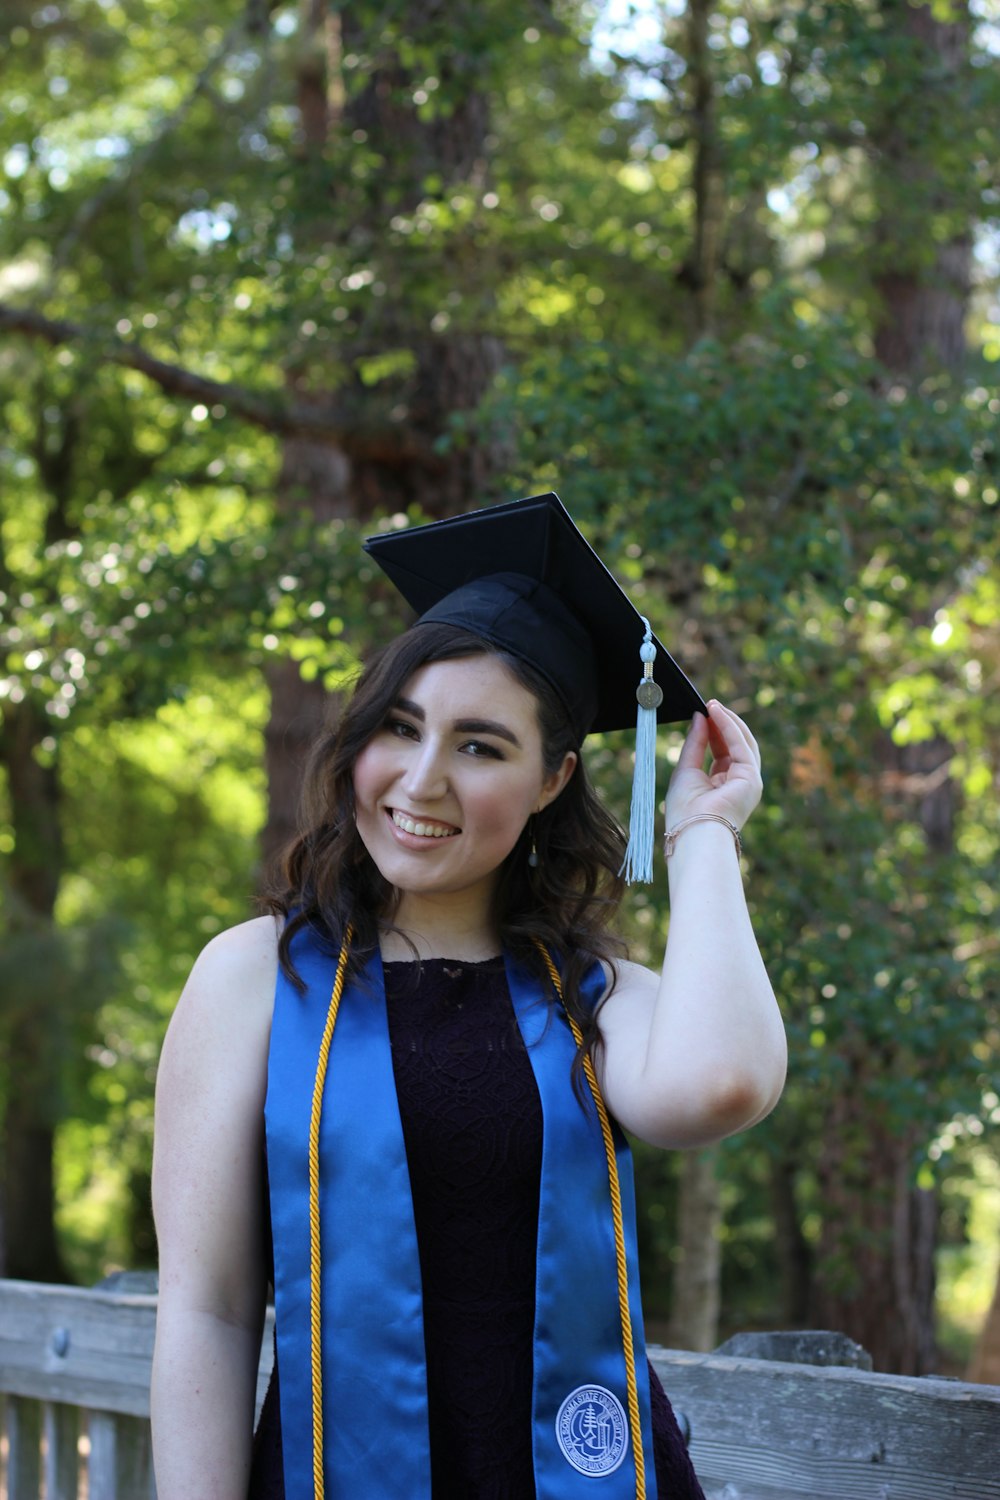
[(523, 577)]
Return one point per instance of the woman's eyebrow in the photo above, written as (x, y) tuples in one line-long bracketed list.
[(487, 726), (464, 726)]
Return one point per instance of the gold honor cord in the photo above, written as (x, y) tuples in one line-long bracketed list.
[(616, 1213), (315, 1258)]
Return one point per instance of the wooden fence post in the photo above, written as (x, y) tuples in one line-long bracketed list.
[(61, 1462), (120, 1465), (24, 1448)]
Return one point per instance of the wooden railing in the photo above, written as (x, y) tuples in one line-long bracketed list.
[(74, 1388), (766, 1429)]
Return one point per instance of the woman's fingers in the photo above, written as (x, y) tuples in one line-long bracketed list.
[(696, 742), (731, 734), (724, 734), (734, 767), (731, 786), (717, 741)]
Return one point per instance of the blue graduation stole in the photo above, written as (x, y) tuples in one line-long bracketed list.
[(347, 1270)]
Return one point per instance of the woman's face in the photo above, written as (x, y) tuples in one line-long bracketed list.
[(444, 789)]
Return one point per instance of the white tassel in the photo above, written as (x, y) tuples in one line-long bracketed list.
[(638, 862)]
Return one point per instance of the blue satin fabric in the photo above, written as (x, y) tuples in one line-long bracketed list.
[(376, 1439), (578, 1333)]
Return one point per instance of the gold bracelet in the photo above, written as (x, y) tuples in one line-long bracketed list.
[(671, 838)]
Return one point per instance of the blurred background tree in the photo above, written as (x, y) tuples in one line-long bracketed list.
[(725, 277)]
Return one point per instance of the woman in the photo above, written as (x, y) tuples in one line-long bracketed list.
[(440, 1039)]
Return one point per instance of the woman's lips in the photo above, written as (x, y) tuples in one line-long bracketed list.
[(423, 828)]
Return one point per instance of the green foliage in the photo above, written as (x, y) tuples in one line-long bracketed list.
[(817, 541), (970, 1237), (821, 553)]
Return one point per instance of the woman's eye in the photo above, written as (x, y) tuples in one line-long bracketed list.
[(401, 729), (477, 748)]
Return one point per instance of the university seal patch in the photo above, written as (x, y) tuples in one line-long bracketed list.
[(592, 1430)]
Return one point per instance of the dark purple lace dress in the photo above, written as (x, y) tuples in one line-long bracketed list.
[(472, 1125)]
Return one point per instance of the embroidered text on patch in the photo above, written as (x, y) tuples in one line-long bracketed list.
[(592, 1430)]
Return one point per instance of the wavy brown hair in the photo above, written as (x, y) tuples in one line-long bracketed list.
[(328, 879)]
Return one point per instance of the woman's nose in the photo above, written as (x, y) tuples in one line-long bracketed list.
[(425, 775)]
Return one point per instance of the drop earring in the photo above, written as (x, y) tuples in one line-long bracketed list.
[(533, 860)]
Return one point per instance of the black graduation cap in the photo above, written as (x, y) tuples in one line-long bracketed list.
[(523, 577)]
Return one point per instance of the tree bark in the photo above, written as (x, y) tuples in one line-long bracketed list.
[(30, 1249), (709, 200), (923, 325), (985, 1363), (875, 1259), (791, 1248), (923, 276), (694, 1312), (452, 370), (875, 1266)]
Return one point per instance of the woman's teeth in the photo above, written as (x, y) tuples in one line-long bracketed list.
[(422, 830)]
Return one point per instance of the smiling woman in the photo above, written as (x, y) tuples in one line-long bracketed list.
[(445, 790), (433, 1043)]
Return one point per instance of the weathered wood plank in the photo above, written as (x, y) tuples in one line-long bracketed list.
[(761, 1430), (769, 1430), (24, 1449), (80, 1347), (61, 1456), (85, 1348), (120, 1465)]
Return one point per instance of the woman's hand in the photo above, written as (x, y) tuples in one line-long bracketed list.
[(731, 786)]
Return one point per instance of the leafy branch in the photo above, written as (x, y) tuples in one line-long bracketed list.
[(330, 421)]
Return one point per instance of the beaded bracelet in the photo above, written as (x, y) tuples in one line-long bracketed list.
[(671, 838)]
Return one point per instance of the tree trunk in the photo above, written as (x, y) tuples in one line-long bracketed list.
[(985, 1363), (876, 1252), (922, 280), (923, 325), (314, 480), (452, 370), (707, 183), (791, 1248), (694, 1312), (30, 1250), (875, 1267)]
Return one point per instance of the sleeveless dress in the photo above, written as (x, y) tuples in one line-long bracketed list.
[(471, 1122)]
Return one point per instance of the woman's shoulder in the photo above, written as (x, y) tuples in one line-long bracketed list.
[(218, 1035), (241, 952), (237, 970)]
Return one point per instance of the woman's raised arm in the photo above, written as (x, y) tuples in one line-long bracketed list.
[(698, 1052), (208, 1192)]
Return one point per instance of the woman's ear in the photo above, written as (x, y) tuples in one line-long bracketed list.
[(554, 784)]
